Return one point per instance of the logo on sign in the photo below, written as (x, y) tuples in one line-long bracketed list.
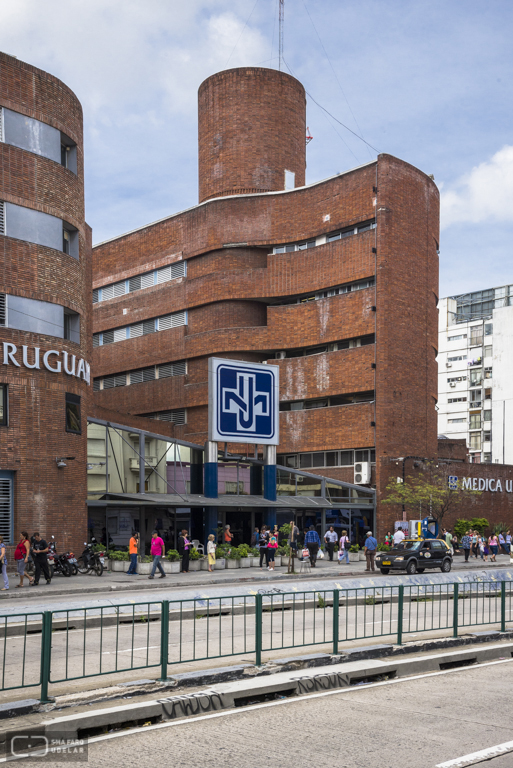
[(244, 402), (453, 483)]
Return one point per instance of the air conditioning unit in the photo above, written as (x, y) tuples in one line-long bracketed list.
[(362, 473), (448, 365), (281, 355), (452, 383)]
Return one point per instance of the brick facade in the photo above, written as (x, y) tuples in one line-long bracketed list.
[(46, 498)]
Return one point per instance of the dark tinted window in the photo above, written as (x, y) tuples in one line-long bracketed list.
[(73, 419), (3, 405)]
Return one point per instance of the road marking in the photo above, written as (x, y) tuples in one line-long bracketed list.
[(478, 757), (294, 700)]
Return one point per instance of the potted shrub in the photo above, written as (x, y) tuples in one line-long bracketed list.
[(361, 554), (194, 559), (255, 557), (233, 558), (172, 562), (245, 560), (220, 559), (118, 561), (354, 554), (145, 565)]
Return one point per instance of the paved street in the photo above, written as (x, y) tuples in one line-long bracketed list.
[(416, 723)]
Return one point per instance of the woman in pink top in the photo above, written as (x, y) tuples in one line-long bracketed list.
[(157, 551), (494, 546)]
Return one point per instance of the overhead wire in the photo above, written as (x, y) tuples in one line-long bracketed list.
[(335, 75), (242, 32)]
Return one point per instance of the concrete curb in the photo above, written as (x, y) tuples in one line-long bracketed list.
[(226, 695)]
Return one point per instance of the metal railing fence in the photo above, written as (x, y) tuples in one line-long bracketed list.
[(40, 649)]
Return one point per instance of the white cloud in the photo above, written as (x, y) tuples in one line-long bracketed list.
[(484, 194)]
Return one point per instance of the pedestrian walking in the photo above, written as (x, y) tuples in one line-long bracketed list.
[(312, 543), (448, 540), (3, 561), (262, 546), (455, 543), (184, 549), (466, 543), (157, 551), (21, 556), (507, 539), (211, 552), (133, 546), (389, 539), (343, 547), (371, 546), (254, 537), (40, 549), (272, 546), (502, 543), (493, 543), (228, 535), (330, 537), (483, 549), (475, 549), (398, 537), (293, 536)]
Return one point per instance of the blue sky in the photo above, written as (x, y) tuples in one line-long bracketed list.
[(429, 82)]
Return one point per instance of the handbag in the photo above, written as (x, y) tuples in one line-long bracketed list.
[(347, 544), (320, 555)]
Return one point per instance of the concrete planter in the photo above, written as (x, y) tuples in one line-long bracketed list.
[(255, 562), (220, 564), (203, 564), (118, 566), (194, 565), (233, 563), (245, 562), (277, 561), (172, 566), (354, 557), (361, 555)]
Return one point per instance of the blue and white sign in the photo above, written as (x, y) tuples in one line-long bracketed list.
[(453, 482), (243, 402)]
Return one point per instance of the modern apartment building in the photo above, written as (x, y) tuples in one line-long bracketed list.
[(475, 373), (336, 282)]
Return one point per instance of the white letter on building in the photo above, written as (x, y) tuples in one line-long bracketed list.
[(74, 359), (509, 486), (81, 369), (9, 352), (467, 484), (474, 484), (46, 364), (490, 485), (25, 357), (499, 486), (482, 484)]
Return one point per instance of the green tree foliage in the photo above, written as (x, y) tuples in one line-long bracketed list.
[(428, 493)]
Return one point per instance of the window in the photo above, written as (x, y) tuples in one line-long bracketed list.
[(72, 326), (340, 235), (3, 310), (487, 436), (3, 405), (457, 400), (70, 240), (488, 394), (487, 350), (476, 377), (140, 329), (475, 441), (476, 336), (73, 421), (488, 373), (6, 505), (138, 282), (457, 421), (2, 217), (231, 487), (487, 415), (488, 329), (290, 180), (475, 421), (325, 402), (326, 458), (457, 378), (458, 357), (177, 416), (457, 338)]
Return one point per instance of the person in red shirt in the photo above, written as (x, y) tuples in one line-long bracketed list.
[(157, 551), (21, 557), (132, 551)]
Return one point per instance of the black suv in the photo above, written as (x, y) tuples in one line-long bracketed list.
[(414, 556)]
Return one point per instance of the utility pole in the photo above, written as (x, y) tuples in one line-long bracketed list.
[(281, 20)]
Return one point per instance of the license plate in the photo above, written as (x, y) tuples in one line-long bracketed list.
[(102, 560), (73, 560), (386, 562)]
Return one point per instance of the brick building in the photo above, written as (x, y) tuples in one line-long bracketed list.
[(45, 307), (336, 282)]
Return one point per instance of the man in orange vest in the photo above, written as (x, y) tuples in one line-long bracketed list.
[(132, 551)]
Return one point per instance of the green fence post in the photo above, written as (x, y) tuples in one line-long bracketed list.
[(258, 630), (336, 602), (455, 610), (400, 603), (503, 606), (164, 638), (46, 656)]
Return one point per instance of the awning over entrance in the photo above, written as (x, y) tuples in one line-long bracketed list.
[(198, 500)]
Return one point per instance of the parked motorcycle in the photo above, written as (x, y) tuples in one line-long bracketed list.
[(91, 560), (72, 562), (57, 563)]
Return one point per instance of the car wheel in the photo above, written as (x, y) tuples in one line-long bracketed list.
[(420, 570), (446, 566), (411, 568), (384, 571)]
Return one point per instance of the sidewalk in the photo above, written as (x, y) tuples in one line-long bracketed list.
[(120, 582)]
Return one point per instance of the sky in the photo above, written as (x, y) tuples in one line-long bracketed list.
[(428, 82)]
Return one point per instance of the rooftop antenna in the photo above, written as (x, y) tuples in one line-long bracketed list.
[(281, 19)]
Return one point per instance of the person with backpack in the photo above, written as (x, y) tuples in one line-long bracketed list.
[(343, 547)]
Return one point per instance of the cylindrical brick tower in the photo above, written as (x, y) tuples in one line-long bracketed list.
[(45, 308), (251, 130)]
